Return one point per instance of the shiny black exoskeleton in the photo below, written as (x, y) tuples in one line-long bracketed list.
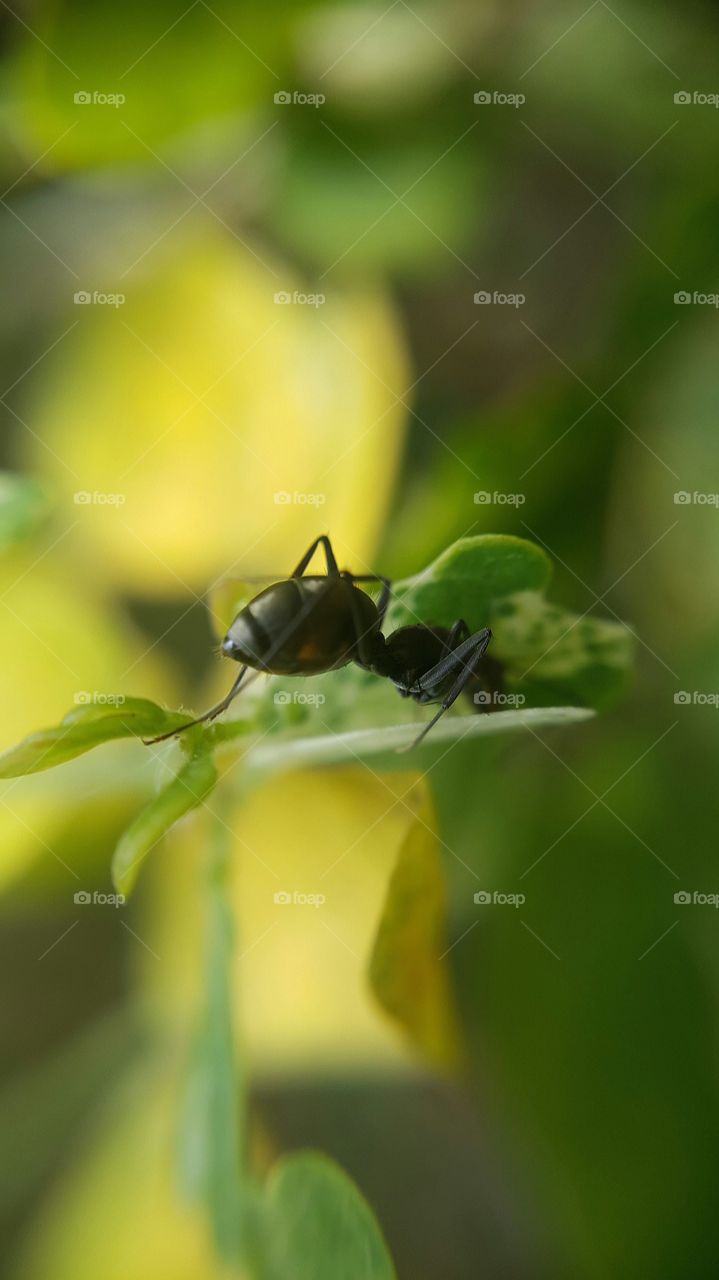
[(308, 624)]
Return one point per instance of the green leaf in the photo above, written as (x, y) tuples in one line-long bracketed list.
[(548, 654), (361, 744), (188, 789), (316, 1225), (551, 654), (85, 727), (407, 971), (467, 580)]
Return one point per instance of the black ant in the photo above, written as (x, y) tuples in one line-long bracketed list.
[(305, 625)]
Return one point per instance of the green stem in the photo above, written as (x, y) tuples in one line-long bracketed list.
[(225, 1095)]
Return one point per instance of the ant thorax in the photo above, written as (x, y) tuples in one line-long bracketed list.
[(409, 652)]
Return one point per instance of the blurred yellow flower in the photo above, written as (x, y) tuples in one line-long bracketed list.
[(59, 646), (219, 419), (311, 857)]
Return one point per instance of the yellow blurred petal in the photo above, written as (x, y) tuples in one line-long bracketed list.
[(312, 853), (408, 971), (317, 849), (56, 644), (229, 429)]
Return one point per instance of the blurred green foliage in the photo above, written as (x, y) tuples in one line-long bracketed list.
[(588, 1112)]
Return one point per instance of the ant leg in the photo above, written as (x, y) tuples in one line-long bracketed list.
[(208, 715), (333, 570), (455, 659), (329, 556), (474, 649), (459, 632)]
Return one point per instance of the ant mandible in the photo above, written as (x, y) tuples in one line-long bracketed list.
[(313, 623)]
